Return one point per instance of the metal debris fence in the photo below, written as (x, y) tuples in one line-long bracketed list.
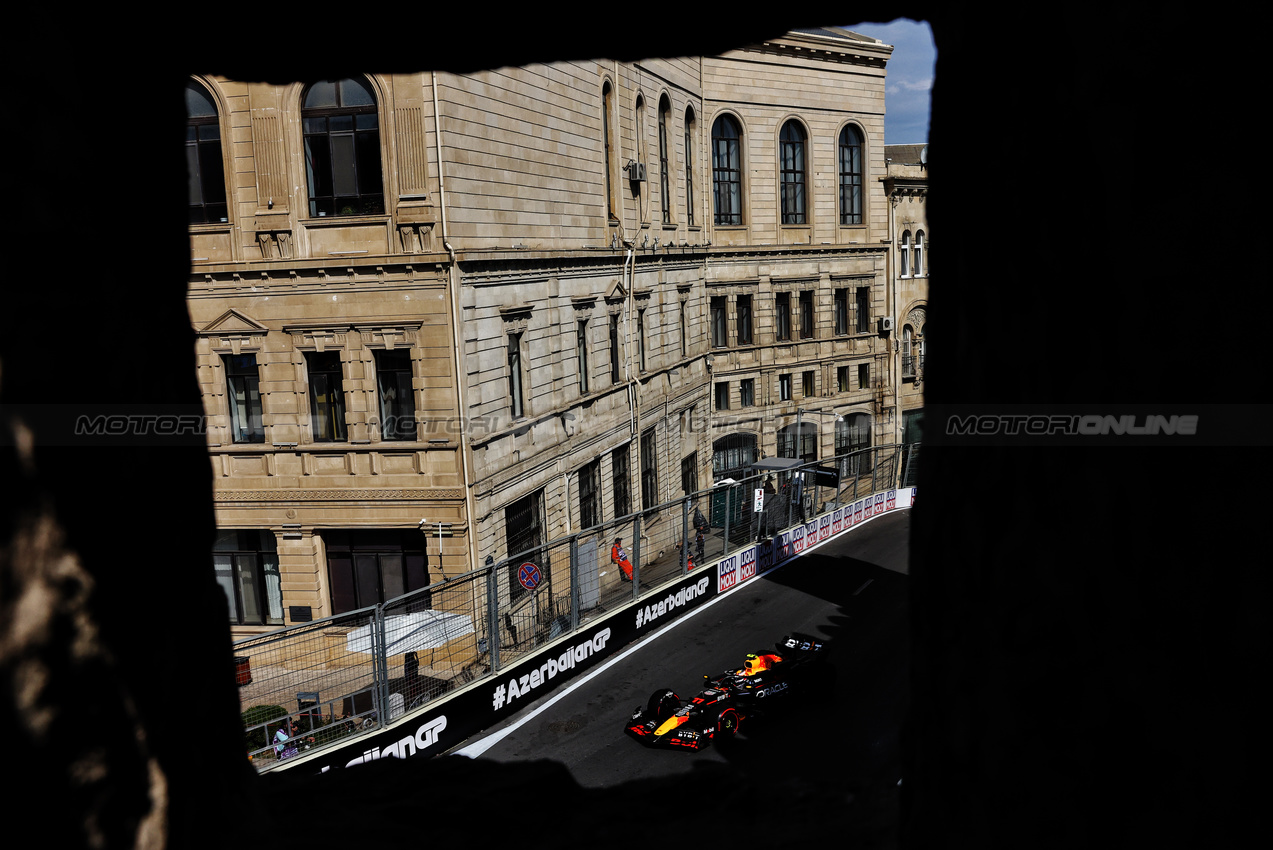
[(350, 673)]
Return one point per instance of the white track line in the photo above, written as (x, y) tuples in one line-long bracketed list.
[(477, 748)]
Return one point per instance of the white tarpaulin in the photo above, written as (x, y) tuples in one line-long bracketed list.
[(412, 632)]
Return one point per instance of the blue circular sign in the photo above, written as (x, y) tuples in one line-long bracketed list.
[(528, 574)]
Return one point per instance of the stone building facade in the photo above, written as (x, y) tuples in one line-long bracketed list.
[(906, 185), (443, 317)]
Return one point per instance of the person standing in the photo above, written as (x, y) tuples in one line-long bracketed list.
[(619, 556)]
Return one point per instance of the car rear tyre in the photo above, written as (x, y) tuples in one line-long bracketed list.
[(663, 704)]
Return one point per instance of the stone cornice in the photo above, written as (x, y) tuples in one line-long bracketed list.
[(400, 494)]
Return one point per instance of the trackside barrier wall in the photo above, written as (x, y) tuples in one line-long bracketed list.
[(423, 672)]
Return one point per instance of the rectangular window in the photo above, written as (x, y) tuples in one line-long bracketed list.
[(516, 396), (864, 376), (782, 316), (649, 471), (326, 396), (863, 295), (621, 482), (722, 395), (641, 338), (842, 379), (685, 332), (244, 395), (747, 392), (614, 348), (371, 566), (246, 566), (689, 474), (784, 387), (524, 539), (806, 314), (807, 384), (589, 494), (397, 398), (841, 311), (744, 320), (720, 336), (581, 354)]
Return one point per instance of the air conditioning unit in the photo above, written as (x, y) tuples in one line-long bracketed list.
[(886, 325), (636, 171)]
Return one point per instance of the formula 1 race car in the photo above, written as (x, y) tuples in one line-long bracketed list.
[(728, 699)]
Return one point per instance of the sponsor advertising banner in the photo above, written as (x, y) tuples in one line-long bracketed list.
[(484, 704)]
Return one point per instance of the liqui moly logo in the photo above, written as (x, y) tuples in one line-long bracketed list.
[(891, 501), (727, 573), (857, 511), (879, 503), (765, 556), (837, 521), (747, 569), (797, 542), (824, 528)]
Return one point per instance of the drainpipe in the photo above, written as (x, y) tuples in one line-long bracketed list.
[(466, 455)]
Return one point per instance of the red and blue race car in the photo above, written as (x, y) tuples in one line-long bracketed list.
[(728, 699)]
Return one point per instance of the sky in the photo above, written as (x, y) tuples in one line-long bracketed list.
[(909, 82)]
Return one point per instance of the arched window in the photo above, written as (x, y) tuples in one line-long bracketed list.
[(689, 166), (733, 455), (607, 140), (919, 253), (908, 353), (342, 149), (904, 255), (791, 173), (665, 177), (852, 436), (727, 171), (639, 116), (205, 169), (850, 176)]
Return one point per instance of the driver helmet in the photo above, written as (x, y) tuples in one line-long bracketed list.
[(755, 664)]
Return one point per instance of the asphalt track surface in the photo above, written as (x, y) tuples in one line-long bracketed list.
[(843, 744)]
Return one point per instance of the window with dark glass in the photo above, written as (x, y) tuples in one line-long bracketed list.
[(607, 104), (747, 392), (396, 395), (850, 149), (722, 395), (516, 398), (791, 173), (919, 253), (727, 171), (246, 566), (852, 435), (904, 255), (841, 311), (244, 395), (205, 169), (581, 354), (806, 382), (326, 396), (863, 299), (689, 167), (524, 540), (620, 481), (744, 319), (864, 376), (665, 109), (842, 379), (614, 348), (720, 334), (649, 471), (801, 437), (782, 316), (342, 149), (641, 339), (368, 567), (685, 331), (589, 494), (806, 314), (784, 387), (689, 474)]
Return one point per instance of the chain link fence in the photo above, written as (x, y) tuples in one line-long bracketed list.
[(320, 682)]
